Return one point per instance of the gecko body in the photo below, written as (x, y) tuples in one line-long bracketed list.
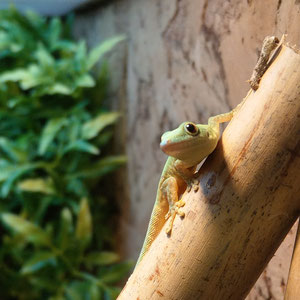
[(186, 147)]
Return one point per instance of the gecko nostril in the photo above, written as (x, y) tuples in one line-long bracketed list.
[(165, 142)]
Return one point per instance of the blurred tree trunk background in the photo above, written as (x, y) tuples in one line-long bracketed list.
[(184, 60)]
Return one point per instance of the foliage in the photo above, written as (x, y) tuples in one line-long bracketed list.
[(54, 235)]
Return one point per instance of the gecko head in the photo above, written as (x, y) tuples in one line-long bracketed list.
[(189, 142)]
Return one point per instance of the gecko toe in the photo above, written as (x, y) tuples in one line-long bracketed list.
[(168, 230), (193, 184), (180, 212), (180, 203), (175, 210), (196, 187)]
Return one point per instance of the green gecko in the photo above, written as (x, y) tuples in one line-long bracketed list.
[(186, 147)]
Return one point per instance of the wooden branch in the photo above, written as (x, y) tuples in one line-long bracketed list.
[(293, 286), (247, 201)]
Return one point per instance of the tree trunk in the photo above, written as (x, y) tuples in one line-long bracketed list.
[(247, 202)]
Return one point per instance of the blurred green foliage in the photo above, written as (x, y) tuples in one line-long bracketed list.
[(53, 131)]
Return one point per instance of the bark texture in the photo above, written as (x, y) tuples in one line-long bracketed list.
[(185, 60), (247, 202)]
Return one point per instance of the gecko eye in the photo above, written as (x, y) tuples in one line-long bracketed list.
[(191, 128)]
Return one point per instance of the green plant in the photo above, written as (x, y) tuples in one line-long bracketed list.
[(53, 132)]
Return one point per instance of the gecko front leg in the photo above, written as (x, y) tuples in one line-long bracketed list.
[(188, 174), (170, 192), (193, 183)]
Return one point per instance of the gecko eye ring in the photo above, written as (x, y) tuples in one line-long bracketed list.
[(191, 128)]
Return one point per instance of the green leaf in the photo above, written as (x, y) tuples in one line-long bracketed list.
[(111, 293), (66, 221), (77, 187), (44, 57), (55, 28), (14, 75), (101, 167), (80, 55), (31, 232), (11, 150), (83, 146), (93, 127), (33, 77), (84, 223), (38, 261), (66, 228), (87, 290), (58, 88), (9, 170), (103, 48), (10, 173), (115, 273), (101, 258), (85, 80), (37, 185), (49, 132)]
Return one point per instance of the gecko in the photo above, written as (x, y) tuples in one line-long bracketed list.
[(186, 147)]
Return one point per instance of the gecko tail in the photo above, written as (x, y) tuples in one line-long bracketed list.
[(157, 222), (146, 246)]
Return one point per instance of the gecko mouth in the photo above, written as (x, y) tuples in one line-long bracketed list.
[(169, 146)]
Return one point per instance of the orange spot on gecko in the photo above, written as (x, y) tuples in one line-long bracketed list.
[(160, 293)]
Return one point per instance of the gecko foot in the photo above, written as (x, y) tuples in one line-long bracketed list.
[(173, 211), (193, 184)]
